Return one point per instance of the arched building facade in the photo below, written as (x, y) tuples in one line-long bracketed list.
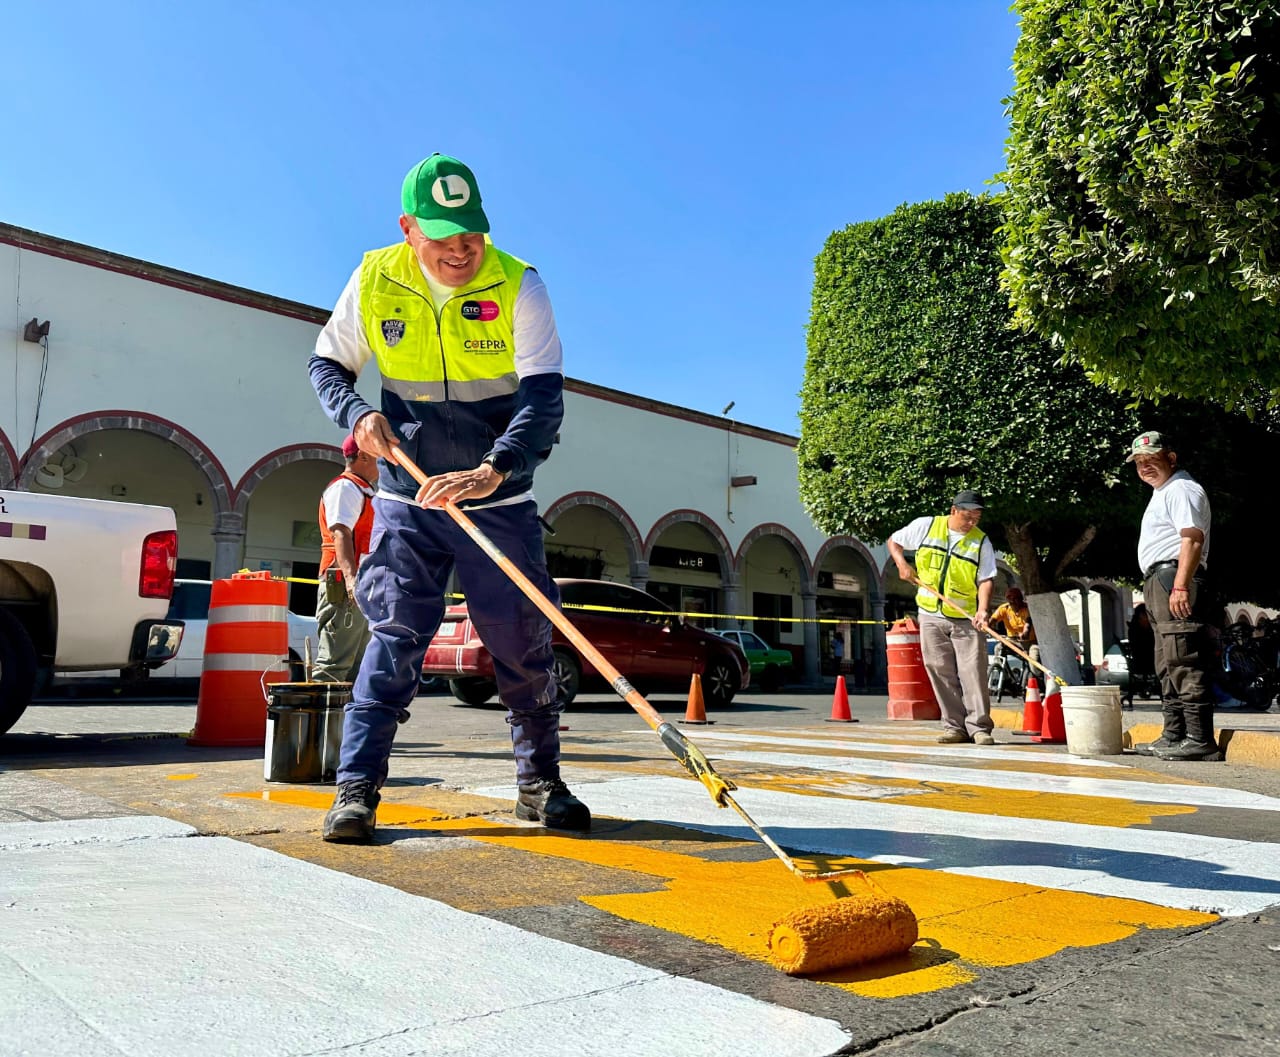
[(158, 386)]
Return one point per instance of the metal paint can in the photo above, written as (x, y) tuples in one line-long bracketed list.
[(304, 731)]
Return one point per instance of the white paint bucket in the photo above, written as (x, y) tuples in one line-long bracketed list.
[(1091, 715)]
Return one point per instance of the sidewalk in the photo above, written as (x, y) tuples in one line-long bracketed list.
[(1248, 738)]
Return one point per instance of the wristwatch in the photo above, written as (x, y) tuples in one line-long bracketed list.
[(500, 461)]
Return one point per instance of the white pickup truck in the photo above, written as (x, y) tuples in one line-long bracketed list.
[(84, 584)]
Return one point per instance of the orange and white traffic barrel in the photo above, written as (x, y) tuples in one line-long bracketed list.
[(246, 646), (910, 692)]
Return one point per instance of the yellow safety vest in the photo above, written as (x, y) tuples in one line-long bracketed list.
[(449, 382), (462, 351), (951, 570)]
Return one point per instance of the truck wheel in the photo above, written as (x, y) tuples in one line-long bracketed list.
[(17, 670), (472, 691)]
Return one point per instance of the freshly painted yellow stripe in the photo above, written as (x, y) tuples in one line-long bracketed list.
[(975, 799), (966, 923), (1017, 760), (181, 777)]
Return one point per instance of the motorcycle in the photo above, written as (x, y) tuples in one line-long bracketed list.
[(1249, 664)]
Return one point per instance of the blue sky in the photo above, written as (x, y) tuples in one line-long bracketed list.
[(672, 169)]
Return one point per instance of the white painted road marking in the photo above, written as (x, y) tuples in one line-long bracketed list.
[(132, 936), (1147, 792), (1021, 754), (1169, 869)]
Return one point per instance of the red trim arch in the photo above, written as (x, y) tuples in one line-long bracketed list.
[(601, 502), (772, 528), (697, 517), (274, 460), (856, 545), (141, 421), (8, 461)]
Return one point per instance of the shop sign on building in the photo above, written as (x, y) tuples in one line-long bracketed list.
[(679, 558)]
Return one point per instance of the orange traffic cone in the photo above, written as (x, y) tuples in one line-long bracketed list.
[(1032, 713), (1053, 728), (696, 712), (840, 704)]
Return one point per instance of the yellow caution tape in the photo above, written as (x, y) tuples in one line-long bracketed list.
[(661, 612)]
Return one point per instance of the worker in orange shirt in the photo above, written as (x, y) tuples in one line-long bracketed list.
[(346, 523), (1015, 615)]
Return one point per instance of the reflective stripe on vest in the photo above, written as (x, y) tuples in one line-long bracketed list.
[(951, 570), (463, 350)]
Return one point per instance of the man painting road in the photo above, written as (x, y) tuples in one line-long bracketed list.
[(465, 342), (955, 558)]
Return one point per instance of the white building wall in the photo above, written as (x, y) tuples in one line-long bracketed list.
[(654, 464), (227, 366), (232, 375)]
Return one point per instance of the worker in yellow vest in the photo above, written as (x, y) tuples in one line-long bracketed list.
[(955, 558), (473, 391)]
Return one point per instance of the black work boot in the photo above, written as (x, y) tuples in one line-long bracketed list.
[(1175, 730), (548, 800), (353, 817), (1199, 744)]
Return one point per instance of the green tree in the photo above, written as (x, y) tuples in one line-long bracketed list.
[(1142, 228), (917, 385)]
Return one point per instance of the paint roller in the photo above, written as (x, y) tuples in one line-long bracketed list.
[(851, 931), (818, 939)]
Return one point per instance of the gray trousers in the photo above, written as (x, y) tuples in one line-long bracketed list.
[(343, 633), (955, 657)]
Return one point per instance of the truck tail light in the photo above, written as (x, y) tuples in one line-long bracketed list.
[(159, 560)]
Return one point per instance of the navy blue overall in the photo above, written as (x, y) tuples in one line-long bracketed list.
[(401, 591)]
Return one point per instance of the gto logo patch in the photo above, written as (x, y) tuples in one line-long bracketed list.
[(481, 311), (392, 331)]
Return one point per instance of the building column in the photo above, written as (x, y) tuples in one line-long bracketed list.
[(877, 663), (228, 544), (639, 575), (729, 590), (812, 665)]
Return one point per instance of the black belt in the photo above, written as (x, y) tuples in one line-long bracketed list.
[(1157, 566)]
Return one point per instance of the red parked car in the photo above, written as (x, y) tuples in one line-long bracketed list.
[(651, 646)]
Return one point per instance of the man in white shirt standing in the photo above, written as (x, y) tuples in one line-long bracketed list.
[(955, 558), (346, 523), (1173, 553)]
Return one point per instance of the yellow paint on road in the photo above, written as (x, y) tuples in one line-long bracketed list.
[(181, 777), (973, 799), (966, 922)]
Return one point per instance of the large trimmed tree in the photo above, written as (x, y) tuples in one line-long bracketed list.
[(1143, 192), (917, 385)]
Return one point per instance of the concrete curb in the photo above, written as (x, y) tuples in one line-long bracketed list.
[(1253, 748)]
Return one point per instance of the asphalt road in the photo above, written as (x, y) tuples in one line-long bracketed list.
[(1065, 904)]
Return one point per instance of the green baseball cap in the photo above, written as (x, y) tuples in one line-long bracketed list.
[(1153, 442), (443, 195)]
